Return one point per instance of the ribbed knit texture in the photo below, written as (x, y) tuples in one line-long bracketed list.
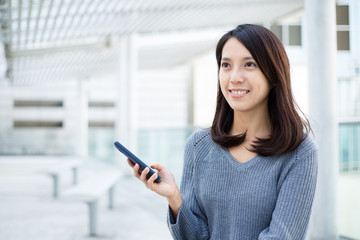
[(263, 198)]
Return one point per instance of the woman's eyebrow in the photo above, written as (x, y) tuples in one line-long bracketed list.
[(244, 59), (248, 58), (225, 59)]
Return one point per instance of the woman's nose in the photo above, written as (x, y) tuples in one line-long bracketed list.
[(237, 76)]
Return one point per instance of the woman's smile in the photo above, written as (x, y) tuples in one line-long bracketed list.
[(238, 93)]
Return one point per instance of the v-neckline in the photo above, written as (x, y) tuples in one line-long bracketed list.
[(238, 164)]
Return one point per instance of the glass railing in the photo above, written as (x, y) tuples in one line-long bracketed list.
[(349, 124), (165, 146), (348, 98), (101, 144), (349, 143)]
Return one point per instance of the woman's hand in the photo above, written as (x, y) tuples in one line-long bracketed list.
[(167, 186)]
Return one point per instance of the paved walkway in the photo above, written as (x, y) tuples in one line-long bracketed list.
[(28, 210)]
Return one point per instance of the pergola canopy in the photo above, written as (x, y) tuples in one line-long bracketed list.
[(47, 40)]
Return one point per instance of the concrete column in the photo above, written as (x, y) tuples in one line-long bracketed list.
[(133, 78), (83, 90), (126, 104), (355, 34), (321, 51)]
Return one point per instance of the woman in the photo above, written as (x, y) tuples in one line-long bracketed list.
[(252, 175)]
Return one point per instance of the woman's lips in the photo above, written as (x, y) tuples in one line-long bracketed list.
[(238, 93)]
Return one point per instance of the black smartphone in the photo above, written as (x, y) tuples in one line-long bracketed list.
[(135, 160)]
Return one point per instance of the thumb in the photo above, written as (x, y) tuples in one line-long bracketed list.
[(157, 166)]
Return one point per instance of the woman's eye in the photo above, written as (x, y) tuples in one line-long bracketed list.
[(250, 64), (225, 65)]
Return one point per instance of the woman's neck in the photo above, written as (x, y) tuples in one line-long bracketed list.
[(256, 124)]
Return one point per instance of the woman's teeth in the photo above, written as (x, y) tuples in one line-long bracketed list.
[(239, 92)]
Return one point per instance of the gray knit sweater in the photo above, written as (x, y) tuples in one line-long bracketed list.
[(263, 198)]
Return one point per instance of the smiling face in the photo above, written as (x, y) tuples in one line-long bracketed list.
[(242, 83)]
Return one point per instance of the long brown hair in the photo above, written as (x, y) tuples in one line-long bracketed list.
[(288, 129)]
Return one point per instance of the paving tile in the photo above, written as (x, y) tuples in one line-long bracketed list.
[(28, 210)]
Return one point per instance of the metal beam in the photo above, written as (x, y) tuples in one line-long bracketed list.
[(28, 23), (93, 18), (55, 20), (19, 23), (37, 21), (62, 24), (9, 23), (70, 26), (49, 50), (46, 21)]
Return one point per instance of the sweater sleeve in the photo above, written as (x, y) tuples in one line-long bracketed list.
[(293, 207), (190, 222)]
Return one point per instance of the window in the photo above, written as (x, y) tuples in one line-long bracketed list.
[(290, 35), (342, 15), (22, 105), (277, 30), (342, 25), (295, 35), (343, 41), (38, 124), (101, 124), (102, 104), (37, 103)]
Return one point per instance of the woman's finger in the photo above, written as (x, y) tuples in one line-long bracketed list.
[(131, 164), (157, 166), (151, 182), (136, 171), (143, 175)]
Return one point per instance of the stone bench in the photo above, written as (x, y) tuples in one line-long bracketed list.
[(58, 168), (91, 190)]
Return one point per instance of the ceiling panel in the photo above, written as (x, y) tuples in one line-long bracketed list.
[(52, 40)]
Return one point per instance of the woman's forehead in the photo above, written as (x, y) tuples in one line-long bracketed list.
[(233, 48)]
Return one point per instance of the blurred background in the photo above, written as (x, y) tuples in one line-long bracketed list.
[(77, 75)]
